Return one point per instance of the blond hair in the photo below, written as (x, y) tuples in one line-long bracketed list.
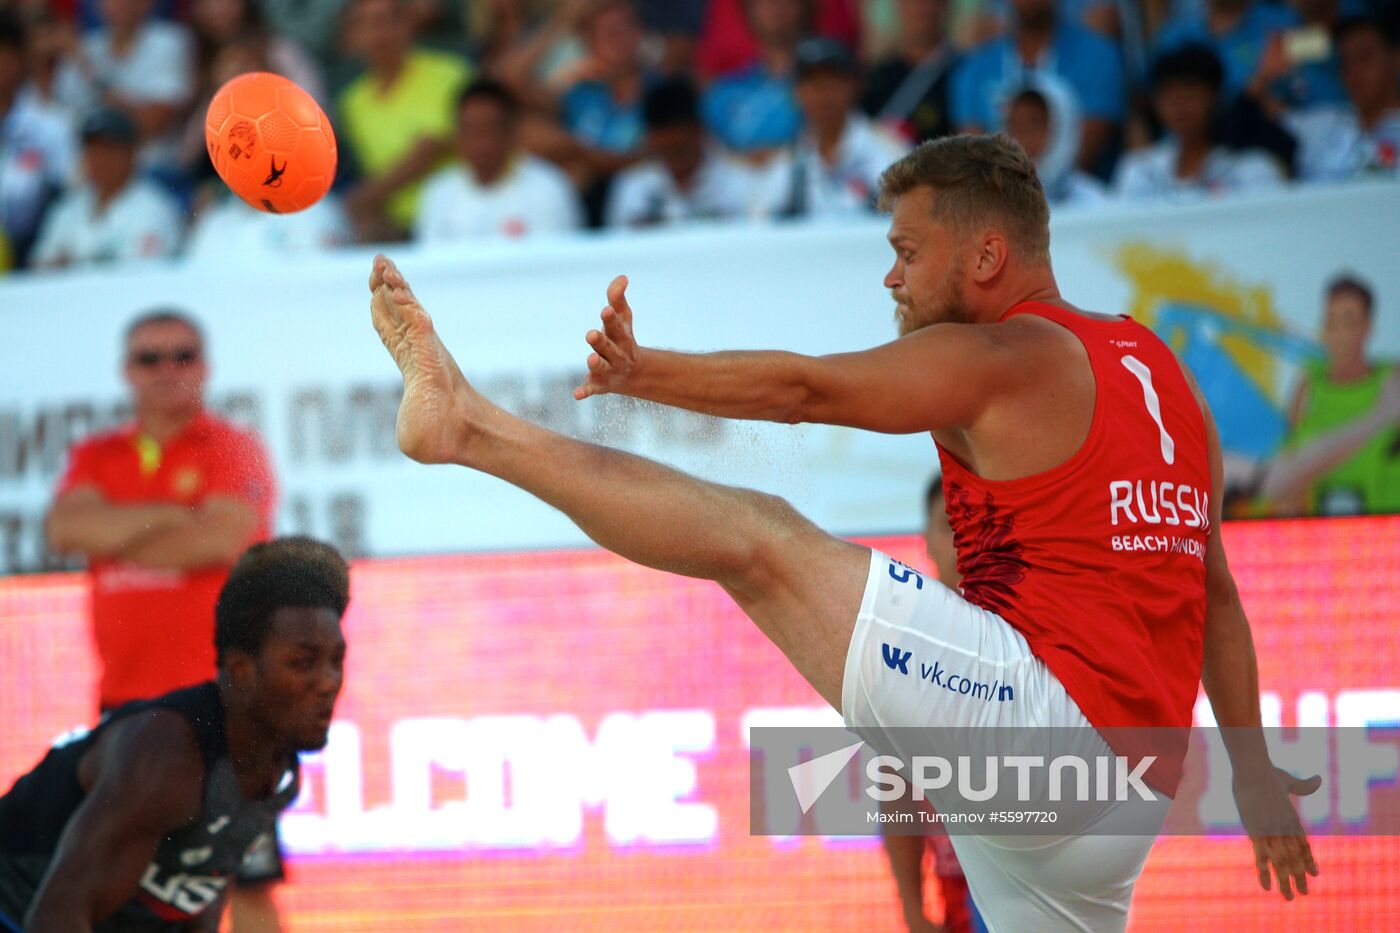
[(977, 181)]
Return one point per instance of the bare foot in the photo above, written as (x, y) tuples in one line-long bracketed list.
[(435, 413)]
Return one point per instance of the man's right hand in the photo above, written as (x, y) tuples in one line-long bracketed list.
[(614, 358)]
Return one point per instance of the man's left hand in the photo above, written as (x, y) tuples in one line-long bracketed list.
[(614, 358), (1280, 844)]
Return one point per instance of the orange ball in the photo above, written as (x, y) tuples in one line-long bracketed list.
[(270, 142)]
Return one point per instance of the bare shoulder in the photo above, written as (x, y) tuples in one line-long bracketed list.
[(1037, 345), (1021, 334), (149, 762), (1043, 379)]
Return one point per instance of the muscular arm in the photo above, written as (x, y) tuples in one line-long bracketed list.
[(82, 520), (1230, 672), (149, 781), (1230, 669), (1230, 675), (216, 533), (940, 376)]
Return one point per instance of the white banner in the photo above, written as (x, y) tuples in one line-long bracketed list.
[(1236, 286)]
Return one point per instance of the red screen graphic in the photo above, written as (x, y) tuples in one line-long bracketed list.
[(556, 741)]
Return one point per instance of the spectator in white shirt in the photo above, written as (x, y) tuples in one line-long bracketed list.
[(1362, 137), (113, 216), (230, 227), (138, 64), (683, 179), (496, 189), (38, 147), (1044, 118), (1188, 163), (833, 169)]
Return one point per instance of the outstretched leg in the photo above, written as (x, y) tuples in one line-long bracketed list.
[(801, 586)]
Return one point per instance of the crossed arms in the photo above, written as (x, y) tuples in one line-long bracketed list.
[(152, 534)]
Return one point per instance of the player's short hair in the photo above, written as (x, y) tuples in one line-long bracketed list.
[(492, 90), (977, 180), (1194, 64), (296, 572), (163, 316), (672, 102), (1346, 282)]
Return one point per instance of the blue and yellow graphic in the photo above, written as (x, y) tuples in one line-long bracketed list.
[(1228, 334)]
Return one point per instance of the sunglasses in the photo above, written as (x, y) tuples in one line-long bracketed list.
[(150, 359)]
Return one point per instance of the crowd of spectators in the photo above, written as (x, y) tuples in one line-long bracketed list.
[(472, 118)]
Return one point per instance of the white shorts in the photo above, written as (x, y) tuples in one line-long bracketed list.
[(921, 655)]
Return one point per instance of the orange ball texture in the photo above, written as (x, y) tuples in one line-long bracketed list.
[(270, 142)]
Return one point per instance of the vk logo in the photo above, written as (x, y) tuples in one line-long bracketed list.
[(901, 574), (896, 659)]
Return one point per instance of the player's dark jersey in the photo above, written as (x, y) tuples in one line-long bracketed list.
[(192, 865)]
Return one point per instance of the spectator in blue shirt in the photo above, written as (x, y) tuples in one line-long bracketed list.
[(1299, 69), (1040, 43), (755, 110), (603, 107), (1238, 31), (599, 131)]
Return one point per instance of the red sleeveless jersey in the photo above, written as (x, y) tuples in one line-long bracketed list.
[(1100, 561)]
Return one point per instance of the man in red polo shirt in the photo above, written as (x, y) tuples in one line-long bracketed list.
[(161, 508)]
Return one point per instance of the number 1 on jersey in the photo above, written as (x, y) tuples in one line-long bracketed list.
[(1154, 405)]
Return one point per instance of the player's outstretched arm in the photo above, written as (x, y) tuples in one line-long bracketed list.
[(148, 780), (937, 377), (1230, 675)]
